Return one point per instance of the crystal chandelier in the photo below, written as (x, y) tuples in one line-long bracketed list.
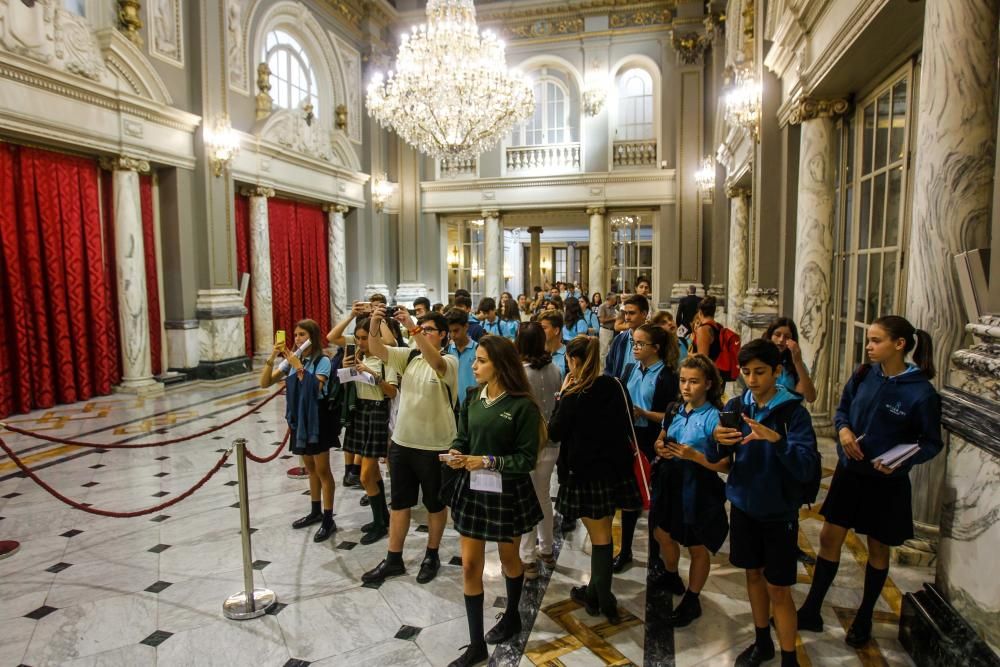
[(743, 101), (451, 95)]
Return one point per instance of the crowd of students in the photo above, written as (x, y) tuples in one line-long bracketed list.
[(473, 411)]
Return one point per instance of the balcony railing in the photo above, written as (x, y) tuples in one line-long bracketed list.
[(635, 153), (451, 169), (556, 157)]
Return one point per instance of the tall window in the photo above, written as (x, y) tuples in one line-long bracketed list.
[(559, 255), (78, 7), (581, 266), (870, 216), (550, 123), (466, 258), (631, 251), (635, 105), (292, 79)]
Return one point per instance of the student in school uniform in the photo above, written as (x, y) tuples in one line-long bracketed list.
[(690, 498), (589, 315), (462, 348), (574, 323), (306, 381), (591, 421), (773, 457), (887, 403), (634, 312), (651, 380), (552, 325), (493, 500), (367, 432), (510, 319), (794, 374), (464, 303), (489, 320)]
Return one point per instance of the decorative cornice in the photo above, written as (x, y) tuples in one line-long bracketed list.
[(808, 108), (640, 17), (257, 191), (336, 208), (590, 178), (124, 163), (596, 210)]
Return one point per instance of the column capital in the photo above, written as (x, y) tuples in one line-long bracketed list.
[(491, 213), (735, 192), (535, 230), (690, 47), (807, 108), (596, 210), (257, 191), (124, 163), (336, 208)]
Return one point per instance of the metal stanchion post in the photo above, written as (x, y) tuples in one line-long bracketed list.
[(250, 602)]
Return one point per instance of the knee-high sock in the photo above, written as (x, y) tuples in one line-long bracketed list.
[(629, 521), (600, 575), (474, 614), (514, 587), (379, 511), (874, 581), (823, 576)]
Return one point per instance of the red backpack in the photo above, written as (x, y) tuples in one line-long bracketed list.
[(729, 351)]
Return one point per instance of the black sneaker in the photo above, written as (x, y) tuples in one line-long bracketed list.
[(579, 595), (365, 500), (383, 571), (428, 569), (754, 655), (475, 654), (351, 480), (687, 611), (622, 562), (505, 629), (374, 535), (325, 531), (307, 520), (860, 633), (809, 621)]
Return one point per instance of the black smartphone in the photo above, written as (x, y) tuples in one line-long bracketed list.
[(350, 350), (730, 418)]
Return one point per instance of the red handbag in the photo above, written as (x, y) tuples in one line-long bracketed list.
[(641, 467)]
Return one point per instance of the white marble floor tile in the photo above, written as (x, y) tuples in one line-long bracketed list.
[(197, 602), (14, 639), (137, 655), (94, 580), (394, 652), (226, 643), (24, 592)]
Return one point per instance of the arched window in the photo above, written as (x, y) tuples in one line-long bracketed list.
[(635, 105), (550, 123), (292, 79)]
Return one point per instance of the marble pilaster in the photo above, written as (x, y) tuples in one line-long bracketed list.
[(221, 334), (952, 186), (535, 257), (813, 300), (758, 308), (739, 221), (597, 274), (130, 267), (336, 239), (493, 254), (377, 288), (262, 313)]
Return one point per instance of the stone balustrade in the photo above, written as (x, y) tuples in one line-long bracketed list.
[(635, 153), (563, 157)]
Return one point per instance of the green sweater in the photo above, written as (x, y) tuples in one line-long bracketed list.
[(508, 430)]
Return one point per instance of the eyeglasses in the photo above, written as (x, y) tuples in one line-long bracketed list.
[(428, 330), (638, 345)]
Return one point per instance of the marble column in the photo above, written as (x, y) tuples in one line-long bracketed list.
[(262, 312), (492, 254), (952, 181), (739, 220), (336, 240), (597, 275), (535, 258), (814, 221), (130, 266)]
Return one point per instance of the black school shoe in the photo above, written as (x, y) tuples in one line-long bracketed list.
[(860, 633), (307, 520), (428, 569), (505, 629), (755, 655), (579, 595), (475, 654), (809, 621), (374, 535), (687, 611), (621, 562), (382, 571), (365, 501), (351, 480), (325, 531)]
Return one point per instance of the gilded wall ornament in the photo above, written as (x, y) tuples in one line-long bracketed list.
[(128, 20), (639, 17), (264, 101), (690, 47), (340, 116)]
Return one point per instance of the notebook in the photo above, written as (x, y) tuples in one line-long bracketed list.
[(897, 455)]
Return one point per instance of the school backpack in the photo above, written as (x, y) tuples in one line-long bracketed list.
[(729, 352)]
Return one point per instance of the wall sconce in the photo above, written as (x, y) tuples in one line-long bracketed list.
[(453, 258), (705, 177), (545, 264), (223, 144), (508, 273), (381, 191), (743, 101)]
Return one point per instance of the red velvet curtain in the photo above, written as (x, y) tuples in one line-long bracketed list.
[(150, 252), (54, 314), (299, 272), (242, 215)]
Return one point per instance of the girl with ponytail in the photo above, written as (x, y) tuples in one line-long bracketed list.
[(886, 403)]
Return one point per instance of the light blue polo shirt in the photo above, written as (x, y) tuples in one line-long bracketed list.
[(694, 428), (569, 333), (641, 386), (494, 328), (466, 378), (559, 359), (509, 328)]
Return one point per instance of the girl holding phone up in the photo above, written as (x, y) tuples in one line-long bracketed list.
[(887, 403)]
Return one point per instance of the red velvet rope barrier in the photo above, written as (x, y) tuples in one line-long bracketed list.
[(100, 512), (268, 459), (101, 445)]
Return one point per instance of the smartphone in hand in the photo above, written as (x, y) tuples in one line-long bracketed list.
[(350, 350), (730, 418), (279, 337)]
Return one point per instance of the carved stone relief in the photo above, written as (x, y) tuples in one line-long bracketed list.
[(167, 31), (49, 34), (289, 128), (350, 62), (235, 38)]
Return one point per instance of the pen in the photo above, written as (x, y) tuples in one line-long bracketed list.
[(860, 437)]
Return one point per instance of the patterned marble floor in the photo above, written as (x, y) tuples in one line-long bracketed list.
[(88, 590)]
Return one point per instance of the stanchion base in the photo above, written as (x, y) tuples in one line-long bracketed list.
[(235, 607), (8, 548), (298, 472)]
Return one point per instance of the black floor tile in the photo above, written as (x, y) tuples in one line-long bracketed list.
[(218, 437), (235, 505), (456, 560), (58, 567), (161, 458), (40, 613), (157, 638), (227, 465), (158, 586), (373, 585), (161, 517), (71, 533), (407, 632), (260, 564), (232, 483), (14, 494), (161, 474), (102, 451), (160, 494), (347, 546), (159, 548), (500, 602), (90, 484), (421, 528), (295, 662), (219, 451), (286, 456), (276, 608), (96, 466)]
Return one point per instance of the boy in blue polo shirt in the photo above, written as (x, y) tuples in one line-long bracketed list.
[(463, 348), (774, 455)]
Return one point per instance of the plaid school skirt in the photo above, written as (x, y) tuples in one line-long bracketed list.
[(368, 432), (495, 517), (597, 499)]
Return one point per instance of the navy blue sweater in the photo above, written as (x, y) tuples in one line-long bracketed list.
[(766, 479), (619, 355), (890, 411)]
